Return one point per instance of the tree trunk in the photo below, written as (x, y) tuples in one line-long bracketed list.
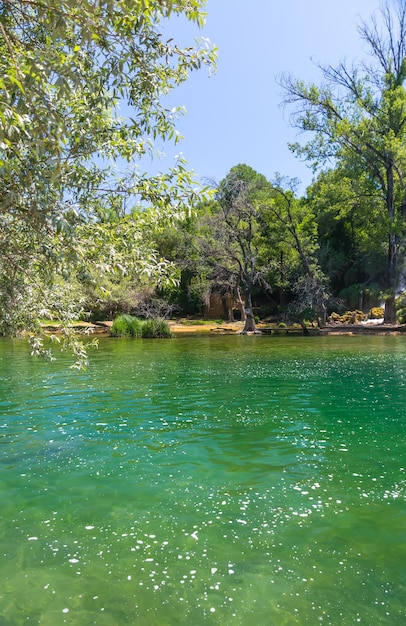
[(228, 308), (390, 306), (249, 326), (241, 305), (390, 310), (323, 314)]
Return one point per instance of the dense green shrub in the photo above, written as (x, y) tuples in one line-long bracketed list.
[(401, 308), (156, 329), (401, 315)]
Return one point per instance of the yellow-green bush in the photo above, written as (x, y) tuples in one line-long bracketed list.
[(376, 313), (348, 317)]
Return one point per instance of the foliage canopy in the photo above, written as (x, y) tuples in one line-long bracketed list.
[(65, 70), (358, 120)]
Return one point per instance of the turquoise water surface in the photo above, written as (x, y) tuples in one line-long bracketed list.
[(255, 481)]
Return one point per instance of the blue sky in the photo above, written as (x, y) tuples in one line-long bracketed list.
[(235, 116)]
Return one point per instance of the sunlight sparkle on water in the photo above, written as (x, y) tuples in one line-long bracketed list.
[(186, 491)]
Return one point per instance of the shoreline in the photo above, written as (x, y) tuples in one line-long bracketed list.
[(208, 328)]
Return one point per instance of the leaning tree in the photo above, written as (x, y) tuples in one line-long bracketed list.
[(233, 240)]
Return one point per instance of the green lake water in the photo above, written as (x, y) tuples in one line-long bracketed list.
[(248, 481)]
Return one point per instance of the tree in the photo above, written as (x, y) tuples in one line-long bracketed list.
[(65, 68), (180, 243), (351, 233), (231, 238), (291, 232), (256, 235), (358, 116)]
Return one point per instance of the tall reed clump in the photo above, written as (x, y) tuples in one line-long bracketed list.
[(129, 326), (156, 329), (126, 326)]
